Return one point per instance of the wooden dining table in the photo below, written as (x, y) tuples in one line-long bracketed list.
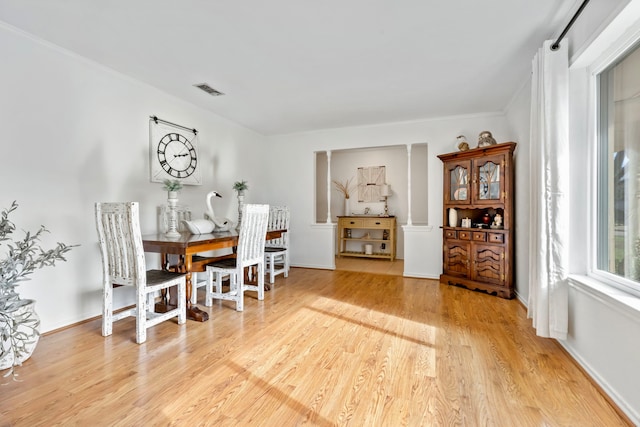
[(186, 247)]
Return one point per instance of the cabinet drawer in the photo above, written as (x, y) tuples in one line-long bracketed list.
[(450, 234), (464, 235), (351, 223), (479, 236), (496, 237), (376, 223)]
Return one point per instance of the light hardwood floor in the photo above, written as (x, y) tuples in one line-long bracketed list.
[(370, 265), (324, 348)]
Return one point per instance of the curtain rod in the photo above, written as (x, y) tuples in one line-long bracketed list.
[(556, 45), (156, 120)]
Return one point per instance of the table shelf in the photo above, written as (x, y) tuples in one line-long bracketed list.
[(383, 230)]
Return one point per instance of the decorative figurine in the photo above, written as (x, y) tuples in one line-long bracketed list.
[(497, 221), (485, 139), (463, 145)]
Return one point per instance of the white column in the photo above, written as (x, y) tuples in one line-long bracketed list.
[(409, 222), (328, 187)]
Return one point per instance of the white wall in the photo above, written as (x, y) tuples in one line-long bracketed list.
[(74, 133), (439, 136), (595, 17), (344, 164), (519, 119), (603, 323)]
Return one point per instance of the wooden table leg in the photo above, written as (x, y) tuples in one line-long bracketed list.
[(165, 304), (193, 312), (251, 277)]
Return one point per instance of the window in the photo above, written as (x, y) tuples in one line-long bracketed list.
[(618, 186)]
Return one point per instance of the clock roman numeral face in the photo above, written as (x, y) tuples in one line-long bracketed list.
[(177, 156)]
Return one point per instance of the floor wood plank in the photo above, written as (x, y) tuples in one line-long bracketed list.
[(324, 348)]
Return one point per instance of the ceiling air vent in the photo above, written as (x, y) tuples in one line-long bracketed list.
[(211, 91)]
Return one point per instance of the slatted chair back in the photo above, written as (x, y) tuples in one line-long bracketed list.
[(183, 213), (252, 236), (277, 250), (279, 220), (250, 252), (118, 225), (123, 264)]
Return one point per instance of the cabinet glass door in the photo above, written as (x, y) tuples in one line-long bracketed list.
[(459, 184), (489, 180)]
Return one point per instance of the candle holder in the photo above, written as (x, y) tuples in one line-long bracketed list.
[(385, 191)]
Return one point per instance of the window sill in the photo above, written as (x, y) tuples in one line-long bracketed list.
[(607, 294)]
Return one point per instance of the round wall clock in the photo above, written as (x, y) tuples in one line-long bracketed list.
[(174, 154)]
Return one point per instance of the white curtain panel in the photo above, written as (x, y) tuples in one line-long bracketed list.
[(549, 225)]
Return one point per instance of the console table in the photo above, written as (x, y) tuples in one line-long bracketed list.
[(355, 232)]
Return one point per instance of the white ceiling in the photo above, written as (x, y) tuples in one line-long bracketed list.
[(297, 65)]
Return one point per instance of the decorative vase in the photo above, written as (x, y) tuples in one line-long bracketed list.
[(240, 204), (25, 331), (172, 215), (453, 217), (347, 206)]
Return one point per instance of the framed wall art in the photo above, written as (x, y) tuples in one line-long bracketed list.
[(173, 153), (370, 181)]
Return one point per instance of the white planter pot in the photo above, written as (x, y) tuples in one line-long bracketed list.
[(27, 333), (240, 204), (172, 216)]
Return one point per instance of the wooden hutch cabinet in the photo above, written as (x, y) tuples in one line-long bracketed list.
[(479, 184)]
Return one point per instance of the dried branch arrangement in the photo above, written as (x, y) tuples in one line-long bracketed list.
[(344, 187)]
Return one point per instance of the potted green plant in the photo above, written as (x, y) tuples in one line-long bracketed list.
[(240, 187), (172, 187), (19, 323)]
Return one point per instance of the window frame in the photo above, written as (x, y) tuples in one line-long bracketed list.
[(599, 170)]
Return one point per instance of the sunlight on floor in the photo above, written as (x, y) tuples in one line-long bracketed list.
[(335, 379)]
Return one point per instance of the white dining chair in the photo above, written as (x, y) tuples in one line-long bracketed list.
[(123, 264), (183, 213), (276, 251), (250, 252)]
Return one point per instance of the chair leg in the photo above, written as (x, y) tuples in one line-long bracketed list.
[(208, 288), (238, 279), (141, 318), (233, 283), (182, 302), (194, 288), (261, 280), (286, 264), (107, 311), (151, 299), (272, 269)]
